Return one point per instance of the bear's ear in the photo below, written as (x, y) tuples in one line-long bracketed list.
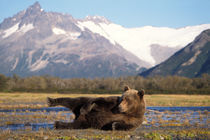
[(141, 93), (126, 88)]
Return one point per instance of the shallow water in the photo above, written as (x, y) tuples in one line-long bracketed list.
[(178, 116), (33, 126), (46, 109), (155, 116), (195, 108)]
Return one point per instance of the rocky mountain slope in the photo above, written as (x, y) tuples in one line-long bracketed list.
[(191, 61), (35, 42)]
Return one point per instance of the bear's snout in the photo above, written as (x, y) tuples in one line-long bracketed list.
[(123, 106)]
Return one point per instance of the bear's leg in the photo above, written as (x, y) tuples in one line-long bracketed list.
[(77, 124), (70, 103), (59, 101), (76, 105), (117, 126), (87, 108), (121, 126), (107, 126), (61, 125)]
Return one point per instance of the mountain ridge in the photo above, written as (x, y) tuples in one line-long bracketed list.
[(35, 42)]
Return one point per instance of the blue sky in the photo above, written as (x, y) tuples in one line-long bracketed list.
[(128, 13)]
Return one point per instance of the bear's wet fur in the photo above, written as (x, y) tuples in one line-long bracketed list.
[(105, 113)]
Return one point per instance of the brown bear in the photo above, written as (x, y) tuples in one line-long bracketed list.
[(108, 113)]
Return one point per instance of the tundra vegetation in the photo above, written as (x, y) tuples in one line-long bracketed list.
[(153, 85)]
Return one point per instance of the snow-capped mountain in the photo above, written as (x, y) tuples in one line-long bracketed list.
[(151, 44), (35, 42)]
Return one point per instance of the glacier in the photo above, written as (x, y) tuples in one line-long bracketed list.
[(139, 40)]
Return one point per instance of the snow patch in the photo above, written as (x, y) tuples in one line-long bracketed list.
[(58, 31), (97, 19), (73, 35), (192, 59), (40, 64), (81, 26), (15, 64), (30, 55), (70, 35), (26, 28), (96, 28), (61, 61), (15, 29), (11, 30)]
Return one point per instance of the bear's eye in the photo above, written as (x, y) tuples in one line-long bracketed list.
[(120, 99)]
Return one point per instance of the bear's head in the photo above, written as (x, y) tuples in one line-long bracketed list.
[(132, 102)]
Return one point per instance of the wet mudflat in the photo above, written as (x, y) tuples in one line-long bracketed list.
[(27, 116), (22, 122)]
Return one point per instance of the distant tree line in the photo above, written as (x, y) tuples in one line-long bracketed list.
[(152, 85)]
